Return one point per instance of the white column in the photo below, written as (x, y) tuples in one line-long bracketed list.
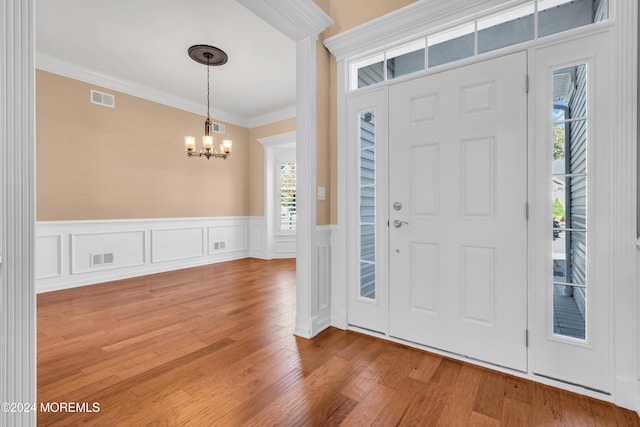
[(306, 262), (17, 207)]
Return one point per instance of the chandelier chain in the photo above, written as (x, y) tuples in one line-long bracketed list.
[(208, 85)]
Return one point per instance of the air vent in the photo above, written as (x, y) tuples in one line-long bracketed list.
[(99, 259), (102, 98), (218, 128)]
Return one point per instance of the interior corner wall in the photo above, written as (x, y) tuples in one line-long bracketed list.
[(100, 163), (256, 161), (323, 133)]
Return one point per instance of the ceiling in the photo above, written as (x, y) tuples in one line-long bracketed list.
[(140, 47)]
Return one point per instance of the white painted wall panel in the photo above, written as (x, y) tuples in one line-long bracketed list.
[(48, 256), (176, 244), (125, 247)]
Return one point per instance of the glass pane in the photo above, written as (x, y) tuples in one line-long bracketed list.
[(569, 195), (555, 16), (367, 134), (368, 242), (506, 29), (367, 280), (287, 196), (569, 311), (370, 74), (367, 167), (405, 64), (451, 45), (367, 204), (569, 256)]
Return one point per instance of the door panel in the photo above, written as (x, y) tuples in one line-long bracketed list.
[(458, 166), (571, 254), (368, 305)]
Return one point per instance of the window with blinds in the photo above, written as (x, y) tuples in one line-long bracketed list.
[(287, 190)]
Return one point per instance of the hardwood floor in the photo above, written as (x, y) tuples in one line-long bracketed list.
[(214, 345)]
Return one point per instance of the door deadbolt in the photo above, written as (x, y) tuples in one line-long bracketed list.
[(397, 206)]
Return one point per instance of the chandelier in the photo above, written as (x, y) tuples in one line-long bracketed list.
[(209, 56)]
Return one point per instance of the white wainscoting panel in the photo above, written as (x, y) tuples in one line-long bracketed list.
[(257, 237), (78, 253), (120, 248), (49, 252), (227, 238), (321, 313), (174, 244)]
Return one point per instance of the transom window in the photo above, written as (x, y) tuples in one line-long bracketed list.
[(520, 24)]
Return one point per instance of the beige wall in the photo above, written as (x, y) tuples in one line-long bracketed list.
[(256, 161), (95, 162), (348, 14)]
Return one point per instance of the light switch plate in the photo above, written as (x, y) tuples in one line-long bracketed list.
[(322, 193)]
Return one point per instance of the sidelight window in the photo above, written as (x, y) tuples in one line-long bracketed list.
[(367, 205), (569, 240)]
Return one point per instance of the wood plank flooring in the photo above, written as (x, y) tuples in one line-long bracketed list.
[(214, 346)]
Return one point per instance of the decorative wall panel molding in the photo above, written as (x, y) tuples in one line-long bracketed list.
[(78, 253), (49, 252)]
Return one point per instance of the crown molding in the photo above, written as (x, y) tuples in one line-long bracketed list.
[(411, 21), (276, 116), (77, 72), (279, 140), (296, 19)]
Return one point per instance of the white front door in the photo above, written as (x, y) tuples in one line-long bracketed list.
[(457, 209), (571, 263)]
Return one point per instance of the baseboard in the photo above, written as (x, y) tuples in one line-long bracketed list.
[(627, 393)]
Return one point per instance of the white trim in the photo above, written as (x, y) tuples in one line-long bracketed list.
[(279, 140), (17, 209), (139, 247), (306, 266), (273, 117), (297, 19), (409, 23), (625, 293), (341, 233), (277, 245)]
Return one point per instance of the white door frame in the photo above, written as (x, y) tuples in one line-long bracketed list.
[(421, 17), (275, 147)]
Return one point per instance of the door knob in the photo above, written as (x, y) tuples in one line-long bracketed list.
[(397, 223)]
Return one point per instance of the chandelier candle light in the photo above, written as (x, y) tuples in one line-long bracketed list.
[(209, 56)]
